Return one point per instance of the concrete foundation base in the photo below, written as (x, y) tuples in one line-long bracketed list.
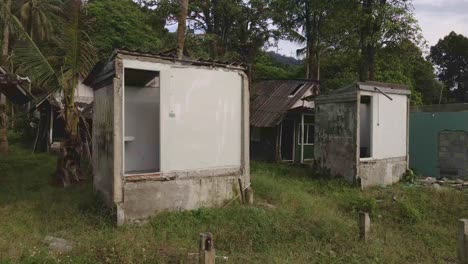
[(382, 171), (145, 198)]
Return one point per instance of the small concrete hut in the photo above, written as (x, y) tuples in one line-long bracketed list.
[(169, 134), (362, 132)]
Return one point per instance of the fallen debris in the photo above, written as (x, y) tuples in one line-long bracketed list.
[(267, 205), (457, 184), (59, 245)]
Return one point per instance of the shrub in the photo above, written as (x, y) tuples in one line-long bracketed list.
[(408, 213), (409, 176), (361, 204)]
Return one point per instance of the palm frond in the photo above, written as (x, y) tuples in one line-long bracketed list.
[(297, 37), (80, 55), (301, 52), (31, 60)]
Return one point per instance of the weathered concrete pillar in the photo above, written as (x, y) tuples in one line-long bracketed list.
[(364, 226), (206, 251), (249, 195), (463, 241)]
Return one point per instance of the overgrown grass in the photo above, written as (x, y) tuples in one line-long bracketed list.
[(315, 221)]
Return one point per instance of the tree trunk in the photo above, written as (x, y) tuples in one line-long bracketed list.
[(181, 28), (71, 149), (6, 35), (4, 62), (3, 130), (314, 68), (371, 62), (69, 159), (12, 115), (365, 36)]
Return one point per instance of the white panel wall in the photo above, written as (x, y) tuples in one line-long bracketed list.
[(389, 125), (201, 112), (84, 90)]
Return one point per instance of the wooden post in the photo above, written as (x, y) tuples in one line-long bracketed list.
[(249, 195), (302, 138), (206, 250), (364, 226), (463, 241)]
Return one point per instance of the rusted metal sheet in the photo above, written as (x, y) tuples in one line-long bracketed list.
[(271, 99)]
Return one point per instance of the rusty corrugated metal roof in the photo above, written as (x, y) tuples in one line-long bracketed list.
[(271, 99)]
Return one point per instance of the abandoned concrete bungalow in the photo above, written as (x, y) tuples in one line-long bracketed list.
[(362, 132), (169, 134), (282, 120)]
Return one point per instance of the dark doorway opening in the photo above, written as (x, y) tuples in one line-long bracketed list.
[(287, 139)]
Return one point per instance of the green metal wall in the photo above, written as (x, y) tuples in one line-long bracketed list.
[(423, 139)]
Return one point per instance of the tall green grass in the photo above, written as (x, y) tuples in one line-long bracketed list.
[(314, 221)]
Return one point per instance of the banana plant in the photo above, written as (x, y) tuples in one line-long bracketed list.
[(74, 58)]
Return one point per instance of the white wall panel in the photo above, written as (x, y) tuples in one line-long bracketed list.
[(203, 119), (201, 111), (389, 125)]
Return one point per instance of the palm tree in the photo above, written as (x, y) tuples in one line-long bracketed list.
[(36, 16), (77, 56), (5, 10)]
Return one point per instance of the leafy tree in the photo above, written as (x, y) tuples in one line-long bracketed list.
[(268, 66), (450, 55), (233, 29), (76, 57), (339, 68), (381, 23), (316, 24), (121, 23)]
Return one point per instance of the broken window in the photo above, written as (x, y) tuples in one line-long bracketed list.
[(141, 121), (365, 118), (296, 90)]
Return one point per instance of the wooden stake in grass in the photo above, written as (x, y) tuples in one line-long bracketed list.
[(463, 241), (249, 195), (206, 251), (364, 226)]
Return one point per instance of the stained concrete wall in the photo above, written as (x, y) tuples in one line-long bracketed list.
[(336, 137), (453, 154), (187, 191), (381, 171), (103, 139)]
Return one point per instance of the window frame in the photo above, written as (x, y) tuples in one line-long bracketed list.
[(306, 133)]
